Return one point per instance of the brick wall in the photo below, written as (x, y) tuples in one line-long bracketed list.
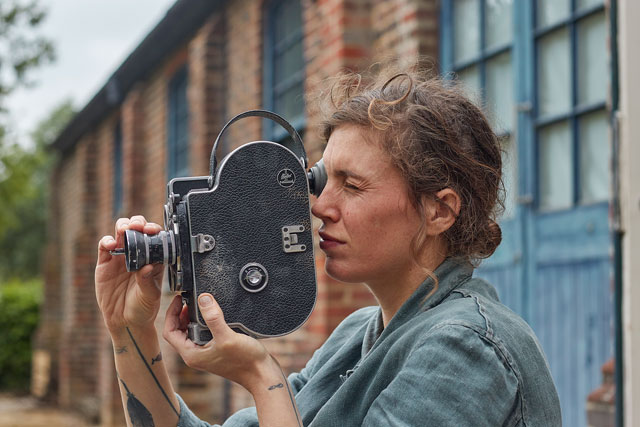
[(225, 60)]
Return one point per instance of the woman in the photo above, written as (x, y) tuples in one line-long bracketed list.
[(414, 177)]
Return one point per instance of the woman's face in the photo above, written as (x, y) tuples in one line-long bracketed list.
[(368, 220)]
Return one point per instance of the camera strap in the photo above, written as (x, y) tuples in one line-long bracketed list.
[(302, 155)]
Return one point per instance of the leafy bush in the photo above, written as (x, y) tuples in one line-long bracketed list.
[(19, 303)]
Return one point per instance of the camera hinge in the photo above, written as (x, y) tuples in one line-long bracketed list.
[(202, 243), (290, 238)]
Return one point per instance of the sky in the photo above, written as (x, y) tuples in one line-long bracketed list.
[(92, 38)]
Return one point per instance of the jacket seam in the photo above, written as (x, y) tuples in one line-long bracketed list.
[(504, 355)]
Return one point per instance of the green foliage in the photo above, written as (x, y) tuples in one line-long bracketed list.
[(24, 176), (19, 302), (21, 47)]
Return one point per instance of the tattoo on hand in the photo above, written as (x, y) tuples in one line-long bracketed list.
[(273, 387), (120, 350), (157, 358)]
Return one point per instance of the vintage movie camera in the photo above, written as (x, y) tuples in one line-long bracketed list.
[(243, 233)]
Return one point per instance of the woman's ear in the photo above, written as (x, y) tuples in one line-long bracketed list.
[(441, 211)]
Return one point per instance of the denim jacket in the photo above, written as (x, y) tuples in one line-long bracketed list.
[(459, 358)]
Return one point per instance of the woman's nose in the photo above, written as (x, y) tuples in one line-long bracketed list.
[(325, 207)]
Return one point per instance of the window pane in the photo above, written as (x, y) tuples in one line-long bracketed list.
[(499, 23), (500, 92), (510, 176), (289, 62), (287, 18), (552, 11), (470, 79), (556, 167), (466, 23), (592, 59), (585, 4), (290, 104), (594, 157), (554, 73)]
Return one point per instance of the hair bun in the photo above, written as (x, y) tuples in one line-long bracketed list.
[(492, 237)]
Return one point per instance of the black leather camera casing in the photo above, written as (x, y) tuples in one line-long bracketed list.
[(244, 234)]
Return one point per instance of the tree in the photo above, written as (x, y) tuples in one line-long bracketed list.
[(24, 174), (21, 47)]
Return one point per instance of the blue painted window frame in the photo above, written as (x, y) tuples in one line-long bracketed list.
[(117, 169), (576, 111), (272, 51), (525, 63), (178, 125)]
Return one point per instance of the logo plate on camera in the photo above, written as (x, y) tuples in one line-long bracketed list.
[(286, 178)]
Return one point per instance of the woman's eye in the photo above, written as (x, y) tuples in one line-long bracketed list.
[(350, 186)]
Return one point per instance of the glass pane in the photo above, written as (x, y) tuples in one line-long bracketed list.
[(287, 18), (554, 73), (552, 11), (499, 23), (500, 92), (593, 74), (585, 4), (594, 157), (470, 79), (289, 62), (290, 104), (555, 170), (466, 24), (510, 176)]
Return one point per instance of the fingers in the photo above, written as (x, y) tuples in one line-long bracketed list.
[(106, 244), (138, 223), (172, 319), (173, 333), (213, 317), (149, 278)]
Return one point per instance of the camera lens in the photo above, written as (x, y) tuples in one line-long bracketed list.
[(141, 249)]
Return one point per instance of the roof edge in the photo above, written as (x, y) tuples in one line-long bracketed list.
[(180, 22)]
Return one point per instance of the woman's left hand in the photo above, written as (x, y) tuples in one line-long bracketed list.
[(234, 356)]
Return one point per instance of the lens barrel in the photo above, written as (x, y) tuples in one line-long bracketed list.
[(141, 249)]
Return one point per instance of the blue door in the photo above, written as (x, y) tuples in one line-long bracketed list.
[(540, 70)]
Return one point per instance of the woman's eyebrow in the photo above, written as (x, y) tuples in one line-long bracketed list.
[(349, 174)]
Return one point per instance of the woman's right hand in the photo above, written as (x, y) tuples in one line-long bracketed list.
[(127, 299)]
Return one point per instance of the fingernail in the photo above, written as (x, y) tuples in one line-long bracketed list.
[(205, 300)]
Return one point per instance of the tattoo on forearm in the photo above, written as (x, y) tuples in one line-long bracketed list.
[(120, 350), (157, 358), (151, 372), (291, 397), (138, 413), (273, 387)]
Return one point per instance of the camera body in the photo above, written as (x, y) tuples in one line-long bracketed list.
[(243, 234)]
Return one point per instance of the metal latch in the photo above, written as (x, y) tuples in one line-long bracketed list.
[(290, 238), (202, 243)]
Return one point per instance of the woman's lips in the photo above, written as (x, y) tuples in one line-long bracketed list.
[(328, 242)]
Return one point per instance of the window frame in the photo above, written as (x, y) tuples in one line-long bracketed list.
[(575, 111), (178, 88), (271, 91)]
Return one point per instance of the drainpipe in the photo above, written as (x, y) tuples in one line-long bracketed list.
[(617, 225)]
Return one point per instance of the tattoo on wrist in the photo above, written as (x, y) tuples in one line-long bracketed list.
[(146, 364), (291, 396), (138, 413), (120, 350), (273, 387), (157, 358)]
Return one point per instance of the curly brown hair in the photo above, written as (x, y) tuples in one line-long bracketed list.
[(438, 139)]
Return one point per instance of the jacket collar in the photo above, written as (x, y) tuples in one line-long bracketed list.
[(452, 273)]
